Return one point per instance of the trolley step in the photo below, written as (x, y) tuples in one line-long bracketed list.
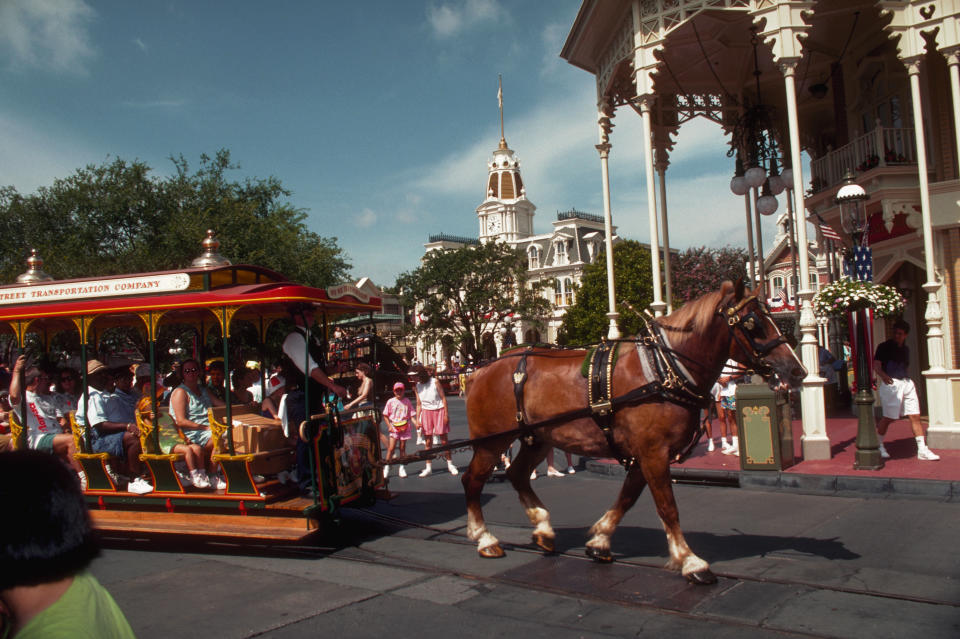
[(204, 525)]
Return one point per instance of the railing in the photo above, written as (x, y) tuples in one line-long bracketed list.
[(443, 237), (880, 147), (579, 215)]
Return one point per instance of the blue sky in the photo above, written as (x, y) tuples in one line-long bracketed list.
[(379, 116)]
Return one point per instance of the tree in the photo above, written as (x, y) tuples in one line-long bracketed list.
[(471, 291), (119, 218), (586, 321), (702, 270)]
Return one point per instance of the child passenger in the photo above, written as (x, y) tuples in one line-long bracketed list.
[(397, 414)]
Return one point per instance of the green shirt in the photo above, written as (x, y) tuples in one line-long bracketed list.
[(85, 611)]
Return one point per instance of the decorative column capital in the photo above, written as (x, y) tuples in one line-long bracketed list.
[(788, 66), (605, 117), (604, 150), (913, 64), (952, 54), (645, 102)]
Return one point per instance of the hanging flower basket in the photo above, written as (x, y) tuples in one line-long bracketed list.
[(837, 298)]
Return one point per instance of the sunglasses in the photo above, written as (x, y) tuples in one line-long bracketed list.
[(191, 370)]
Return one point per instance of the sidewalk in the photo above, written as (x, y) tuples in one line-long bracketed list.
[(902, 475)]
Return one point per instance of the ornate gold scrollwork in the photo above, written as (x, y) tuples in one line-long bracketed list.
[(225, 316), (151, 320)]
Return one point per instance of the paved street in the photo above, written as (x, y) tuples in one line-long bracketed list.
[(788, 565)]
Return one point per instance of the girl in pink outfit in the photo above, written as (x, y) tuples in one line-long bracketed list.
[(398, 416)]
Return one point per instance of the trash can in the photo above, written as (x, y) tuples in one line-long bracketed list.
[(763, 423)]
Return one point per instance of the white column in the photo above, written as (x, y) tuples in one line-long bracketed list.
[(658, 306), (761, 269), (953, 60), (751, 273), (613, 332), (941, 431), (661, 173), (816, 444)]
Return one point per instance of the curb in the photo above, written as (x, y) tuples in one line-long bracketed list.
[(775, 480)]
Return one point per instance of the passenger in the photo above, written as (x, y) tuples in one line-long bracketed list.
[(216, 379), (397, 415), (125, 397), (364, 398), (252, 383), (276, 387), (44, 430), (239, 391), (189, 404), (66, 393), (432, 415), (119, 439)]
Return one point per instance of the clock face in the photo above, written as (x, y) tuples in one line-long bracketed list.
[(493, 224)]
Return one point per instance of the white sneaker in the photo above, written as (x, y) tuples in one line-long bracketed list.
[(200, 480), (139, 487), (925, 454), (883, 452), (386, 471), (402, 472), (553, 472), (452, 469), (426, 472), (729, 450), (185, 480), (217, 482), (283, 476), (571, 470), (710, 446), (533, 475), (83, 480), (420, 440)]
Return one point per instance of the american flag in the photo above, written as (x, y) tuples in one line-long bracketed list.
[(827, 230), (860, 267)]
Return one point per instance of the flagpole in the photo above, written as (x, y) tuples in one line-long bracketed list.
[(503, 139)]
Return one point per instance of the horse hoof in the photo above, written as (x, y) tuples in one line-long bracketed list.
[(602, 556), (543, 542), (702, 578), (493, 551)]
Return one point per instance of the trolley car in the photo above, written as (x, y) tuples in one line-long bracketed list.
[(250, 449)]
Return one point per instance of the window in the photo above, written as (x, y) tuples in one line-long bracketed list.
[(534, 255), (567, 291), (561, 252)]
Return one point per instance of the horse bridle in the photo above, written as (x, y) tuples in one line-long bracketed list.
[(743, 331)]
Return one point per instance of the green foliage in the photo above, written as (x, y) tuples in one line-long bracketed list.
[(702, 270), (119, 218), (586, 321), (471, 291)]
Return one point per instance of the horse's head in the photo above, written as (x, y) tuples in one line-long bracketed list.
[(755, 339)]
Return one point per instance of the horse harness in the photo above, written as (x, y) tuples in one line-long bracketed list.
[(671, 380)]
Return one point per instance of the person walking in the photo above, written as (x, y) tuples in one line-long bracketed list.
[(397, 415), (432, 415), (897, 392)]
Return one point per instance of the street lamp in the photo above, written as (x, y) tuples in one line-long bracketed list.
[(851, 199)]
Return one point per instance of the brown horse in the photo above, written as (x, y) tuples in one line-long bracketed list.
[(730, 323)]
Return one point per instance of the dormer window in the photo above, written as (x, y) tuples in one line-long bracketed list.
[(560, 252), (533, 255)]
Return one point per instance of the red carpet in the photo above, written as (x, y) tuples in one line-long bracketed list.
[(842, 432)]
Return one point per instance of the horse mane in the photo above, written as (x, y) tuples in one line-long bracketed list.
[(695, 316)]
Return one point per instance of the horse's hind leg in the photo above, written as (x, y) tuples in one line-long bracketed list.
[(519, 474), (695, 569), (598, 547), (481, 466)]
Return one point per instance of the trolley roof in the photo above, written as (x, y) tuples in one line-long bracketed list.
[(184, 295)]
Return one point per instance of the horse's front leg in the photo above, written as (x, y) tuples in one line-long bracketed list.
[(599, 545), (519, 474), (476, 475), (695, 569)]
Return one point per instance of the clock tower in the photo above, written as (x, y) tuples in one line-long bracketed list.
[(505, 214)]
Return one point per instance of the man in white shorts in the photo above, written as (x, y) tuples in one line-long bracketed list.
[(897, 392)]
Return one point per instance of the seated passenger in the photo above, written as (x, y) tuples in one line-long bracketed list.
[(276, 387), (189, 404), (118, 438), (216, 380), (44, 430), (124, 406)]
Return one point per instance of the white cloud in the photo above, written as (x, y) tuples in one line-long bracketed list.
[(365, 219), (173, 103), (50, 34), (449, 19), (140, 44)]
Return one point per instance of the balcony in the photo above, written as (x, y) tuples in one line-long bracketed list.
[(881, 147)]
